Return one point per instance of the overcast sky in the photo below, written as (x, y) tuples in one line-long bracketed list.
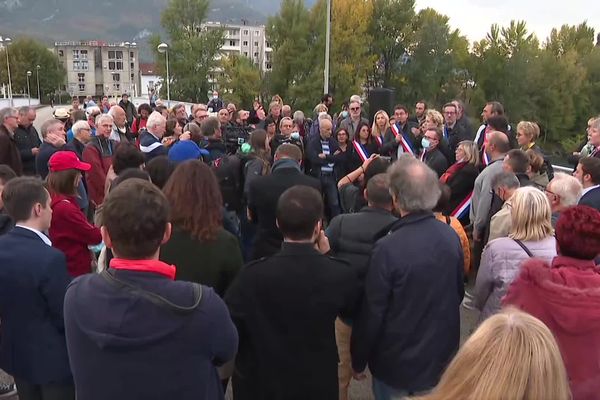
[(475, 17)]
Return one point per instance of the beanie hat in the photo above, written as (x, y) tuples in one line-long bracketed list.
[(183, 151)]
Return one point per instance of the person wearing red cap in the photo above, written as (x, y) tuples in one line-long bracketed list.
[(70, 231)]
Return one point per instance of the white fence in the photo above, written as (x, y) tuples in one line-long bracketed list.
[(18, 102)]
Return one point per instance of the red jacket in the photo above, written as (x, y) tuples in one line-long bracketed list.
[(566, 297), (98, 153), (71, 233)]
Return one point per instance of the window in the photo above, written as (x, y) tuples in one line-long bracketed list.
[(111, 54), (119, 55), (131, 54), (245, 43), (246, 53), (232, 42), (117, 86), (84, 65), (268, 65), (255, 44), (256, 33), (81, 78), (61, 53), (75, 54), (132, 76), (246, 32), (83, 54), (232, 32), (267, 44), (116, 77), (82, 87), (256, 55), (132, 66), (111, 65), (76, 66)]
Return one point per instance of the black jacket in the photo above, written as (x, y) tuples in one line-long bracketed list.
[(278, 140), (353, 158), (461, 185), (408, 328), (352, 236), (263, 194), (456, 135), (436, 160), (216, 149), (390, 146), (314, 148), (6, 223), (591, 199), (130, 111), (284, 307), (26, 138)]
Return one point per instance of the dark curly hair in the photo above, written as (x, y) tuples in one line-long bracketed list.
[(196, 208)]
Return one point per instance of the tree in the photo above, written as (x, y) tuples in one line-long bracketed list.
[(241, 80), (193, 50), (25, 54), (391, 32), (436, 58), (351, 60)]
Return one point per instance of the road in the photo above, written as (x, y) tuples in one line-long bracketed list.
[(43, 114)]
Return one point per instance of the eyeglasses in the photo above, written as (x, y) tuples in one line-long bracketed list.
[(552, 193), (354, 108), (449, 112)]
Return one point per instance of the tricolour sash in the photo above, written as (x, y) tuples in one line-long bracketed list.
[(360, 150), (463, 208), (379, 141), (405, 143)]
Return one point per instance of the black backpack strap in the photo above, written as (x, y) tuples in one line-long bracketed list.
[(448, 220), (153, 297), (529, 253)]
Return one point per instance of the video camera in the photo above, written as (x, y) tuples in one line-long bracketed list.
[(235, 136)]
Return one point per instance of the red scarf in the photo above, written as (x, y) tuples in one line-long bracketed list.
[(155, 266), (453, 170)]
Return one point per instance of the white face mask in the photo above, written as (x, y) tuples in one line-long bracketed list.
[(215, 97)]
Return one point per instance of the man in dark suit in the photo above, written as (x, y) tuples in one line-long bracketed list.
[(34, 281), (9, 152), (588, 173), (321, 154), (264, 193), (285, 306), (432, 154)]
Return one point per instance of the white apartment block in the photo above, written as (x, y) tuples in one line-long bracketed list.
[(245, 40), (97, 68)]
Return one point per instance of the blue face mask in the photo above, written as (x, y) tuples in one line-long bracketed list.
[(295, 136), (425, 143), (344, 114)]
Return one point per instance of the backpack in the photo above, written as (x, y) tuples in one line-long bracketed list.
[(229, 172)]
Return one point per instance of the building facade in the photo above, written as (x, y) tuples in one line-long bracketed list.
[(149, 79), (244, 40), (97, 68)]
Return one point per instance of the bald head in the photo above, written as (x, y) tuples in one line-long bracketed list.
[(325, 128), (498, 142)]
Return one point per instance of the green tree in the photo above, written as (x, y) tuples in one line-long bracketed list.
[(391, 34), (437, 58), (192, 50), (25, 54), (241, 80)]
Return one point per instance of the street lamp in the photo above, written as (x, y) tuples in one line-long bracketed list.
[(37, 78), (28, 90), (10, 96), (164, 48)]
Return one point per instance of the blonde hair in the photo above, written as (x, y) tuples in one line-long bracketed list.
[(435, 117), (471, 151), (512, 355), (530, 129), (530, 215), (375, 129), (319, 108)]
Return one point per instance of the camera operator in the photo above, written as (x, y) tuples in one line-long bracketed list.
[(286, 126)]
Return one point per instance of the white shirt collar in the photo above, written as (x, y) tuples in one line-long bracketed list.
[(40, 234), (588, 189)]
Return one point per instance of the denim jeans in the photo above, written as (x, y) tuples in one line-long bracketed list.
[(330, 190), (381, 391)]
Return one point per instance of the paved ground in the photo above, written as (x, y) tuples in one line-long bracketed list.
[(362, 390)]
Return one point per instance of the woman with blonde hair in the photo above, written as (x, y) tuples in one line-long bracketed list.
[(531, 235), (511, 356), (434, 119), (460, 177), (527, 134), (381, 123)]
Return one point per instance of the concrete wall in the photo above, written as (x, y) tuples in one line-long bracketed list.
[(18, 102)]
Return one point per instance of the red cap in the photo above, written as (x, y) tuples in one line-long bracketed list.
[(63, 160)]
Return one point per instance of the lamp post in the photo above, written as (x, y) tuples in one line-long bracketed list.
[(10, 96), (37, 78), (164, 48), (327, 40), (28, 89)]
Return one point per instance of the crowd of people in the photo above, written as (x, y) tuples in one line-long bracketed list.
[(150, 253)]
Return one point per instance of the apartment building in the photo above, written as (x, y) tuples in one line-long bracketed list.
[(97, 68)]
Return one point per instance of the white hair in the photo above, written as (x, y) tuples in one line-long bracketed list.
[(92, 110), (323, 115), (567, 188), (78, 126), (102, 117), (298, 116), (414, 185), (155, 119)]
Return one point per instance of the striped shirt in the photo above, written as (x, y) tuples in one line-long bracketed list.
[(327, 168)]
